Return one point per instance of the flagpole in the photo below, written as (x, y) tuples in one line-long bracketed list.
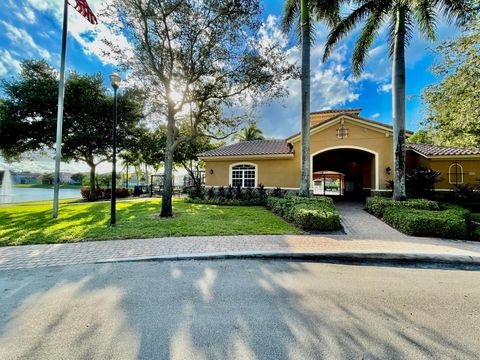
[(61, 92)]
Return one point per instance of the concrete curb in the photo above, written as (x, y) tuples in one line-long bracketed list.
[(337, 256)]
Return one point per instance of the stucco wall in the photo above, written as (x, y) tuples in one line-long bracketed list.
[(285, 173), (471, 168)]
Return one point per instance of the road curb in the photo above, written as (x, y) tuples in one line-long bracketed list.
[(325, 256)]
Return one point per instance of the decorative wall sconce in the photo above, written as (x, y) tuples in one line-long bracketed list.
[(388, 170), (211, 171)]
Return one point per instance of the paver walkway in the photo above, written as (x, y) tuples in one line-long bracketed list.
[(360, 224), (365, 233)]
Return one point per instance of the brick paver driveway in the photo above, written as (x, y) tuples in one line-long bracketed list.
[(364, 233)]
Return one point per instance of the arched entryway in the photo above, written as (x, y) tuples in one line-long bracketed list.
[(359, 167)]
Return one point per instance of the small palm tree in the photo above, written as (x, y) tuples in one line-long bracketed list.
[(252, 132), (403, 16), (299, 13)]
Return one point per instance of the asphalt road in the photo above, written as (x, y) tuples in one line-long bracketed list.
[(239, 310)]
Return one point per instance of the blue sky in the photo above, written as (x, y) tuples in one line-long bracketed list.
[(32, 29)]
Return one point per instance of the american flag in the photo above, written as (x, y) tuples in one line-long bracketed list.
[(82, 7)]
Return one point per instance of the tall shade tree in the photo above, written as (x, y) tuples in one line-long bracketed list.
[(402, 16), (250, 133), (200, 57), (300, 13), (453, 110), (28, 116)]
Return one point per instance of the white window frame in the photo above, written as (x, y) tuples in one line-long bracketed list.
[(454, 175), (230, 180)]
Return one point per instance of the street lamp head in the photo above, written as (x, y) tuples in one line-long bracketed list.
[(115, 80)]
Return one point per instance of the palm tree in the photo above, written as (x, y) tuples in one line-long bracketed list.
[(403, 16), (301, 12), (252, 132)]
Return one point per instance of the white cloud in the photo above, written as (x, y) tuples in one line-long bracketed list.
[(91, 37), (26, 14), (8, 64), (330, 87), (22, 38), (384, 88), (375, 116)]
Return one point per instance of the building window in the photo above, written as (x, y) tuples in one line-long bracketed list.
[(244, 175), (455, 174), (342, 132)]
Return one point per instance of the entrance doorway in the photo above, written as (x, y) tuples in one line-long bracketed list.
[(356, 169)]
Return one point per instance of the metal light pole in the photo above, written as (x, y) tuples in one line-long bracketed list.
[(115, 82)]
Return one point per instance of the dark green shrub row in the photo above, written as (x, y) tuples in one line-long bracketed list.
[(312, 214), (227, 202), (377, 205), (104, 193), (451, 223), (256, 196)]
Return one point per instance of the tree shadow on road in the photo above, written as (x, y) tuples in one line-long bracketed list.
[(222, 310)]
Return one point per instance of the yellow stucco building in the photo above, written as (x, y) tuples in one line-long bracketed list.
[(349, 155)]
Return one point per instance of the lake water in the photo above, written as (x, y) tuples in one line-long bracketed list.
[(21, 194)]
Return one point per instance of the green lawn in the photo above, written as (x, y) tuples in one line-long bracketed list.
[(47, 186), (31, 223)]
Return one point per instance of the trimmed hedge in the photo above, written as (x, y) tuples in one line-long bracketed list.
[(451, 223), (104, 193), (311, 214), (377, 205)]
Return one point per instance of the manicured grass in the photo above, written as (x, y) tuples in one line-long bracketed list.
[(31, 223), (47, 186)]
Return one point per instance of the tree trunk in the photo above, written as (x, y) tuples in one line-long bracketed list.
[(167, 175), (93, 194), (305, 171), (398, 105)]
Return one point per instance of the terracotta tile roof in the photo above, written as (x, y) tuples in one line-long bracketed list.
[(255, 147), (355, 111), (440, 150)]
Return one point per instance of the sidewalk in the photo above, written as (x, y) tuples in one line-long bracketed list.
[(32, 256)]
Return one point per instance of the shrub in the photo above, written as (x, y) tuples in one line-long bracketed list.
[(315, 213), (262, 194), (221, 192), (228, 196), (211, 193), (196, 192), (377, 205), (318, 216), (227, 202), (451, 223), (464, 192), (238, 193), (230, 193), (277, 192), (103, 193), (420, 182), (122, 192)]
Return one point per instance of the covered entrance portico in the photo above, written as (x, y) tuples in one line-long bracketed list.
[(353, 171)]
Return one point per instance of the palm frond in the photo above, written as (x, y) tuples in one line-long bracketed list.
[(365, 40), (347, 24), (425, 14), (326, 10), (458, 11), (291, 15)]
